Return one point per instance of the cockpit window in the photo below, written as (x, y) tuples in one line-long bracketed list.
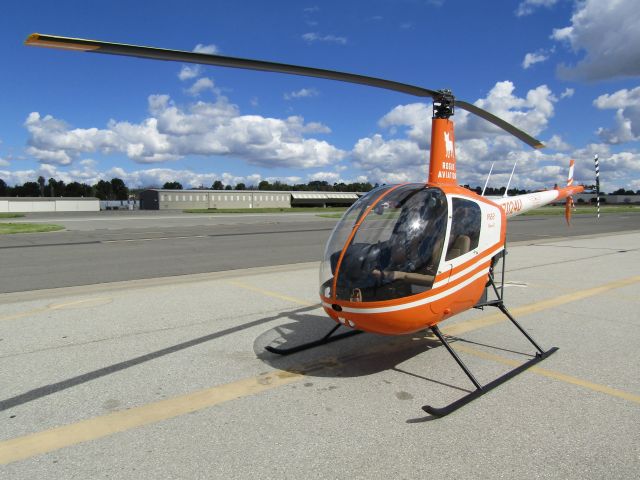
[(395, 251), (465, 227)]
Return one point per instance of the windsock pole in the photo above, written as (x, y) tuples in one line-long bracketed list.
[(595, 159)]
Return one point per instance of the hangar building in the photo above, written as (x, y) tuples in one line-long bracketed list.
[(49, 204), (160, 199)]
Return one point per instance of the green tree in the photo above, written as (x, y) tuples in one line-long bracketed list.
[(28, 189), (77, 189), (41, 185), (241, 186), (217, 185), (103, 190), (264, 185), (172, 186), (119, 189), (54, 188), (228, 187), (3, 188)]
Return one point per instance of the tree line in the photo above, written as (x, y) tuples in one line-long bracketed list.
[(115, 189), (104, 190), (314, 185)]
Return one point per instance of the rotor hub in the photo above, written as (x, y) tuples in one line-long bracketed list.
[(443, 104)]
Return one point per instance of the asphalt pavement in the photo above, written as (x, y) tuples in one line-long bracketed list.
[(168, 378)]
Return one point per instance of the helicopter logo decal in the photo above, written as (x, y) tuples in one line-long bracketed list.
[(448, 145)]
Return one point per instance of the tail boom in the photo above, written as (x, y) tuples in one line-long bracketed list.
[(518, 204)]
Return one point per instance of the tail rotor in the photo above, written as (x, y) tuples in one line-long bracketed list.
[(569, 205)]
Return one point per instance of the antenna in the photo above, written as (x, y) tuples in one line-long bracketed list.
[(487, 181), (510, 177)]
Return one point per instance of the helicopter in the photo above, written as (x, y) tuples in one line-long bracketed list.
[(404, 257)]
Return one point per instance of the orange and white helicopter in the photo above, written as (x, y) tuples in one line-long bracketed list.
[(404, 257)]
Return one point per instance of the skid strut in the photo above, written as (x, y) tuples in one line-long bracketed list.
[(482, 389), (328, 338)]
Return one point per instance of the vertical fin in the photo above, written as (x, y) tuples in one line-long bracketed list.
[(569, 203)]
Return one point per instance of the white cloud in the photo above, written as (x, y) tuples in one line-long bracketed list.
[(188, 72), (608, 33), (390, 161), (415, 116), (627, 106), (200, 86), (478, 142), (302, 93), (312, 37), (568, 93), (209, 49), (529, 6), (171, 132), (4, 163), (556, 143), (533, 58), (530, 113)]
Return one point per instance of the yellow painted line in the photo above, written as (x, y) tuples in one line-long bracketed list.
[(270, 293), (87, 302), (38, 443), (28, 313), (552, 374), (493, 319)]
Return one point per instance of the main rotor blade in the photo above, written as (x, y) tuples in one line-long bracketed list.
[(490, 117), (79, 44), (95, 46)]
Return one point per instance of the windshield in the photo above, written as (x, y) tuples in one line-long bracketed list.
[(394, 252)]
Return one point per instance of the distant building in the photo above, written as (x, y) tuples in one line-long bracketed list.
[(161, 199), (49, 204)]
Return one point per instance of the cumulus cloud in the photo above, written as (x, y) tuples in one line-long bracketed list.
[(188, 72), (313, 37), (172, 132), (302, 93), (529, 6), (210, 49), (627, 105), (568, 93), (533, 58), (478, 142), (200, 86), (608, 33)]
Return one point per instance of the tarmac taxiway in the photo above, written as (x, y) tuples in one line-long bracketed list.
[(168, 378)]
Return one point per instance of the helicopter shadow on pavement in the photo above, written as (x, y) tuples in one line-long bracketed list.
[(355, 356)]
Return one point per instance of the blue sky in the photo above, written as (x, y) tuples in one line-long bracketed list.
[(565, 71)]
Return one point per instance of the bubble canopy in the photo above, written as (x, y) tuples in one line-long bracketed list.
[(387, 246)]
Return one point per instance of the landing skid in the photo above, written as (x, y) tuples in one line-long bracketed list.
[(497, 291), (328, 338), (482, 389)]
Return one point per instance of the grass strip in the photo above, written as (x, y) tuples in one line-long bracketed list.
[(8, 228)]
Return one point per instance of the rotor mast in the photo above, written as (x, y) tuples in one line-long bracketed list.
[(442, 161)]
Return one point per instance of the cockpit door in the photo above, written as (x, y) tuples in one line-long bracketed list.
[(464, 234)]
